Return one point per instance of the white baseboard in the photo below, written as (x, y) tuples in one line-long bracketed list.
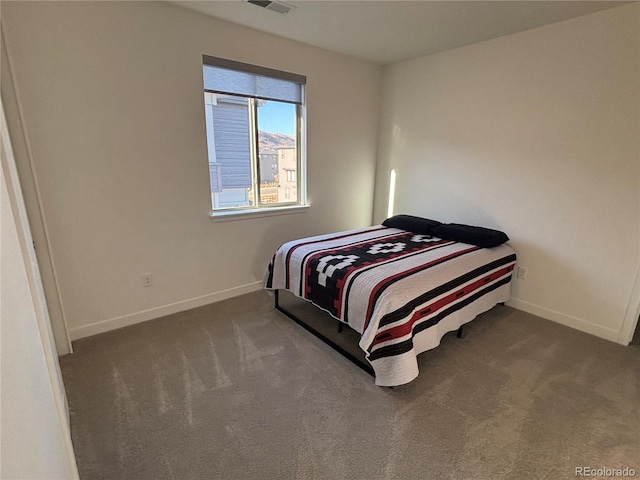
[(143, 316), (567, 320), (131, 319)]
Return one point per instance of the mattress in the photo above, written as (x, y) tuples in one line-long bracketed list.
[(400, 290)]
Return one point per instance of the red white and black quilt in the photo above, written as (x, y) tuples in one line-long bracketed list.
[(400, 290)]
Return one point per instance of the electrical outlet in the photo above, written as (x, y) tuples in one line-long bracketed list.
[(522, 273), (147, 281)]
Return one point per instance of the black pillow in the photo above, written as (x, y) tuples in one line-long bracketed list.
[(412, 224), (480, 236)]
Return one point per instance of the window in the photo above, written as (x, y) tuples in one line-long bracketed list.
[(255, 127), (291, 175)]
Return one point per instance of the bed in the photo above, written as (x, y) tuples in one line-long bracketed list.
[(401, 290)]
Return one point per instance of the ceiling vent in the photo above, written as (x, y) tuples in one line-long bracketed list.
[(279, 7)]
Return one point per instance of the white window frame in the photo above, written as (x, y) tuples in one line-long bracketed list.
[(301, 204)]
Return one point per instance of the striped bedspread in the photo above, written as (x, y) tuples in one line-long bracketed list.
[(400, 290)]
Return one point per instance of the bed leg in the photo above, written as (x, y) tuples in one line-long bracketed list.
[(363, 364), (459, 334), (275, 298)]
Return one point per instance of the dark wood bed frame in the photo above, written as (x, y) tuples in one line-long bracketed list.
[(363, 364)]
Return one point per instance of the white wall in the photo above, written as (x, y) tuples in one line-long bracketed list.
[(111, 95), (536, 134), (32, 201), (35, 437)]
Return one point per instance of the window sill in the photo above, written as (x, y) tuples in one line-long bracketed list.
[(230, 215)]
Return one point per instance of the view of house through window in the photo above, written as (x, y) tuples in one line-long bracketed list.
[(278, 152), (253, 136)]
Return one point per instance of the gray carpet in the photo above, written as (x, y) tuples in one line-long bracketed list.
[(235, 390)]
